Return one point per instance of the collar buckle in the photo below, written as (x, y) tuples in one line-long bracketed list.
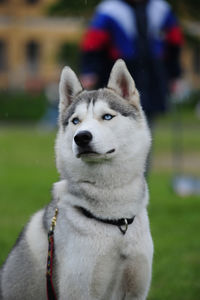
[(124, 227)]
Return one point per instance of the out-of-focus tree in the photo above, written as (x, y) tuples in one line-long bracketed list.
[(187, 8), (72, 7), (68, 54)]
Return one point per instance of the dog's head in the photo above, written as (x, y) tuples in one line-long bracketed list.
[(101, 127)]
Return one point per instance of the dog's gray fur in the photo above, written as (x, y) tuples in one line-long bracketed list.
[(93, 260)]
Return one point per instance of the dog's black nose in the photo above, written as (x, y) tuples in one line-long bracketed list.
[(83, 138)]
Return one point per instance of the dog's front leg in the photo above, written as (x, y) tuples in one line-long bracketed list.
[(137, 278)]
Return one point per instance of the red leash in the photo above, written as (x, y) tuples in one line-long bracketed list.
[(51, 295)]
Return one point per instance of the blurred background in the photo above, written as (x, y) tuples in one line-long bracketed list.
[(39, 37)]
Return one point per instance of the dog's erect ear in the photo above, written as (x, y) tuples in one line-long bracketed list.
[(122, 83), (69, 87)]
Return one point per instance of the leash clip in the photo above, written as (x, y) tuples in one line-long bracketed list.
[(53, 221), (124, 227)]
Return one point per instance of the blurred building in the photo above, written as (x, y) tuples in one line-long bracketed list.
[(30, 42)]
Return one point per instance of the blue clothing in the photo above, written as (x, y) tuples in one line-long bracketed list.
[(146, 35)]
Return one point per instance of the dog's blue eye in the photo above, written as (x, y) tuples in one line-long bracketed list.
[(107, 117), (75, 121)]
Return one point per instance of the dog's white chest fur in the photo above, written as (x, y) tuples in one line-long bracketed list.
[(102, 263), (95, 260)]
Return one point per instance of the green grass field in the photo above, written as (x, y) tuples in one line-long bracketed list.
[(27, 171)]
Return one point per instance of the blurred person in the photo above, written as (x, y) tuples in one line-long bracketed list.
[(147, 36)]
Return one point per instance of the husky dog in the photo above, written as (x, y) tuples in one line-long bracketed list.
[(102, 243)]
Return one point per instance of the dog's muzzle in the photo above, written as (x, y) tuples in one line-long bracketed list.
[(83, 138)]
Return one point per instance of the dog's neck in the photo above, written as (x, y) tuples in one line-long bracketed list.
[(108, 202), (115, 202)]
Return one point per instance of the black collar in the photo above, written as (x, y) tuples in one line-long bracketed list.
[(122, 223)]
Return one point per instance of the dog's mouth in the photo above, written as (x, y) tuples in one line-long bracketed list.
[(90, 153), (86, 153), (110, 151)]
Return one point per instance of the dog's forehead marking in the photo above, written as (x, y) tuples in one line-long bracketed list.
[(99, 98), (120, 105), (100, 105), (84, 108), (92, 109), (83, 98), (81, 108)]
